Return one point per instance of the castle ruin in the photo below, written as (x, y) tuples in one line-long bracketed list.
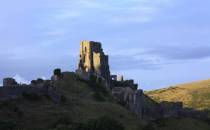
[(13, 90), (93, 61)]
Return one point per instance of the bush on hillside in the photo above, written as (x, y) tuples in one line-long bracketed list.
[(40, 80), (97, 87), (31, 96), (63, 121), (57, 72), (98, 97), (103, 123), (93, 79), (150, 126), (7, 125), (63, 98)]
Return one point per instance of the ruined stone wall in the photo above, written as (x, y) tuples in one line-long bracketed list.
[(9, 82), (130, 98), (93, 60), (8, 92), (13, 92), (97, 63), (119, 78), (85, 62), (105, 70), (138, 103)]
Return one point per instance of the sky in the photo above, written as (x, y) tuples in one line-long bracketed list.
[(158, 43)]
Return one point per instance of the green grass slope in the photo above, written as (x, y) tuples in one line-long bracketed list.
[(177, 124), (81, 103), (193, 95)]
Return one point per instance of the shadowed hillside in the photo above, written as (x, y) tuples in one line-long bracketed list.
[(80, 102), (85, 106)]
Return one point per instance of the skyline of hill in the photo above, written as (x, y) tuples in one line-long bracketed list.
[(194, 95)]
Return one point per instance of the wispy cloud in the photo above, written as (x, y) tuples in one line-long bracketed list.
[(150, 35), (20, 79), (183, 53), (155, 58)]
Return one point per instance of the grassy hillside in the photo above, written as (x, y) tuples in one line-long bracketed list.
[(81, 103), (177, 124), (193, 95)]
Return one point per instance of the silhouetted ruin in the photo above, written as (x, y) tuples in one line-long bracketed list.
[(94, 62)]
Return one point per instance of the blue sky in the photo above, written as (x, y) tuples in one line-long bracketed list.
[(156, 42)]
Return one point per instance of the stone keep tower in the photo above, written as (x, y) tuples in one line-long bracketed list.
[(93, 60)]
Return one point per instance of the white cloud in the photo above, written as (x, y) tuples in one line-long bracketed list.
[(152, 59), (44, 78), (138, 54), (20, 79), (128, 52)]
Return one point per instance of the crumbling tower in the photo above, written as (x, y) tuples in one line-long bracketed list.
[(93, 60)]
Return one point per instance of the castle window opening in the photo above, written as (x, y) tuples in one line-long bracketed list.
[(85, 49)]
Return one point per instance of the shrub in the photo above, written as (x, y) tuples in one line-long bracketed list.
[(33, 82), (122, 103), (63, 121), (31, 96), (149, 127), (97, 87), (18, 111), (4, 103), (40, 80), (104, 123), (63, 98), (160, 122), (93, 79), (98, 97), (57, 72), (7, 125), (100, 80)]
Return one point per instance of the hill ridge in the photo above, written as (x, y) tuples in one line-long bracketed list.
[(195, 94)]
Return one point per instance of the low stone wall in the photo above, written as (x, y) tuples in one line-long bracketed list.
[(13, 92), (8, 92), (131, 99)]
